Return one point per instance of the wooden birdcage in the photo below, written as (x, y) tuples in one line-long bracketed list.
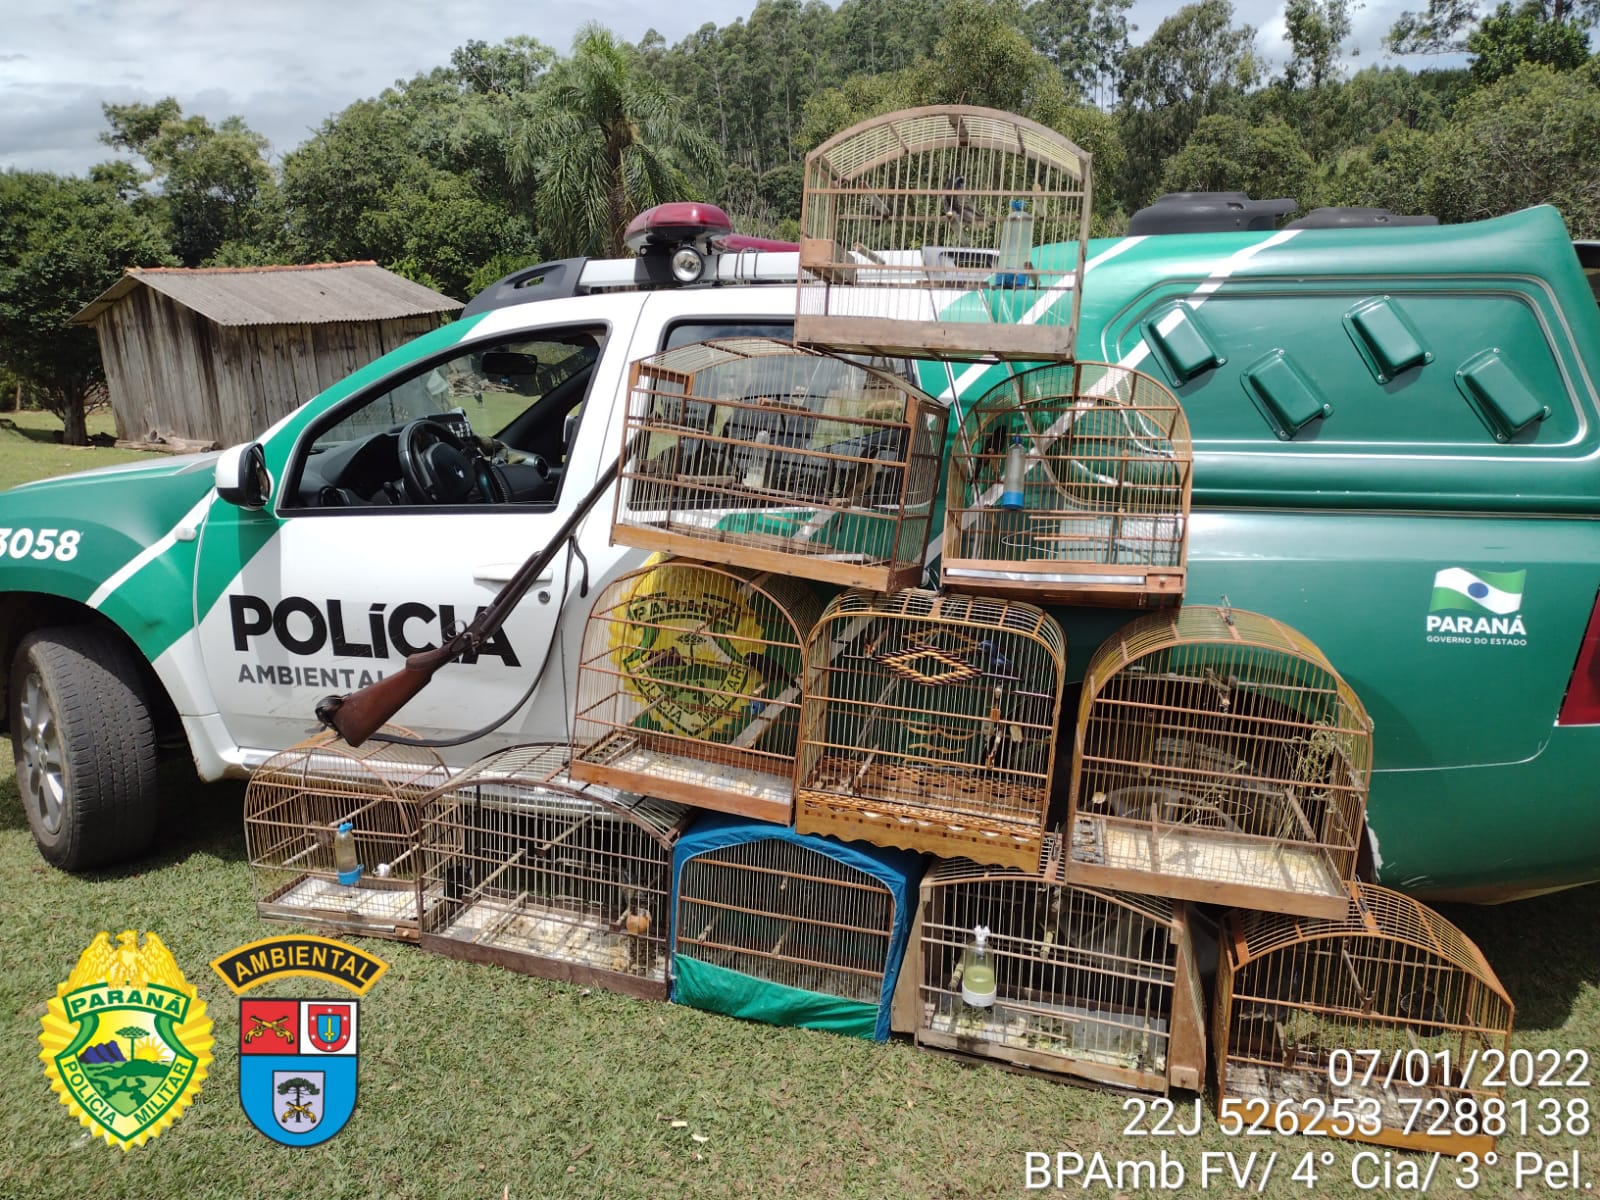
[(1219, 757), (1096, 985), (524, 868), (929, 722), (1387, 1009), (948, 231), (1070, 484), (689, 687), (775, 926), (764, 454), (293, 808)]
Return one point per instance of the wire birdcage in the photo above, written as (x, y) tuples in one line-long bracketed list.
[(775, 926), (689, 687), (1097, 985), (928, 722), (523, 868), (1372, 1025), (293, 808), (1070, 484), (1219, 757), (764, 454), (947, 231)]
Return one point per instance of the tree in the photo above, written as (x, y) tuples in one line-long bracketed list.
[(1084, 39), (983, 57), (214, 182), (605, 141), (418, 177), (1445, 25), (63, 241), (1228, 153), (300, 1087), (1195, 62), (1510, 36), (133, 1033), (1316, 29), (1530, 138)]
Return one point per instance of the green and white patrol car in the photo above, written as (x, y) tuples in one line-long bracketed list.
[(1439, 542)]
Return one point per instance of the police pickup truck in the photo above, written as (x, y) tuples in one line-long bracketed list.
[(1433, 529)]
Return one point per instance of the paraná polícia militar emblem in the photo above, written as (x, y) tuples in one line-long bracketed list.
[(126, 1041)]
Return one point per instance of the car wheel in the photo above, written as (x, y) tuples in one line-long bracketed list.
[(85, 746)]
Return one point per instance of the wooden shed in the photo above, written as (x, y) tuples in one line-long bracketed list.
[(217, 354)]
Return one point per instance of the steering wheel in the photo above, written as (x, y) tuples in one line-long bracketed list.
[(439, 468)]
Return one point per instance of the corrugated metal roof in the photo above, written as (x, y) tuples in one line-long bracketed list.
[(287, 295)]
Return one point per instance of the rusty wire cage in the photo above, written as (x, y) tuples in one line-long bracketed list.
[(524, 868), (689, 687), (1097, 985), (949, 231), (1070, 484), (928, 722), (764, 454), (793, 930), (1388, 988), (1219, 757), (293, 808)]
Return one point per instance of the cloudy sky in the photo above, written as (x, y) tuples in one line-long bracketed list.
[(285, 65)]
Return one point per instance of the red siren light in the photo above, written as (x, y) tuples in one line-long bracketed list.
[(676, 223)]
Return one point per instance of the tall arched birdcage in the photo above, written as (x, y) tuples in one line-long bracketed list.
[(929, 723), (947, 231), (689, 687), (1219, 757), (1373, 1025), (764, 454), (524, 868), (1070, 484), (775, 926), (294, 807), (1096, 985)]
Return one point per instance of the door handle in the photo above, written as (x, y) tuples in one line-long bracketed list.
[(502, 573)]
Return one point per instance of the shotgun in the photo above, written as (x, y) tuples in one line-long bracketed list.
[(357, 716)]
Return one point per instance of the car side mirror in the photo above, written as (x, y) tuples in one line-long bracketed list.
[(242, 476)]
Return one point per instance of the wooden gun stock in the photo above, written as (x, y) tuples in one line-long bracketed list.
[(359, 715)]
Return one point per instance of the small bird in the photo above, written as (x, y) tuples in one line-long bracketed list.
[(872, 207), (956, 208), (1422, 1004), (852, 481), (1223, 688)]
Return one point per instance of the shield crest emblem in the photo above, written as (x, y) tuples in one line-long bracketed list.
[(297, 1067), (329, 1026)]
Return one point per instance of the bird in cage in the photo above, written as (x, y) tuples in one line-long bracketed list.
[(1222, 688), (869, 206), (957, 208), (635, 922), (1422, 1004), (849, 482)]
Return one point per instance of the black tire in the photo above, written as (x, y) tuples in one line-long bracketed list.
[(85, 746)]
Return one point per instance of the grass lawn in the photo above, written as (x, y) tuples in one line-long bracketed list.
[(477, 1082), (28, 449), (480, 1083)]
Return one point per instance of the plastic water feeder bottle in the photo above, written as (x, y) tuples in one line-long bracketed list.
[(977, 971), (1016, 247), (1016, 468), (344, 855)]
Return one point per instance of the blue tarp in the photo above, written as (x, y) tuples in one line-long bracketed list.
[(898, 870)]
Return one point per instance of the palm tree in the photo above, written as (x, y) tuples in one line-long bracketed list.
[(605, 142)]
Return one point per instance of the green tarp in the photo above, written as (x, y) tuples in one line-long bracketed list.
[(717, 989)]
